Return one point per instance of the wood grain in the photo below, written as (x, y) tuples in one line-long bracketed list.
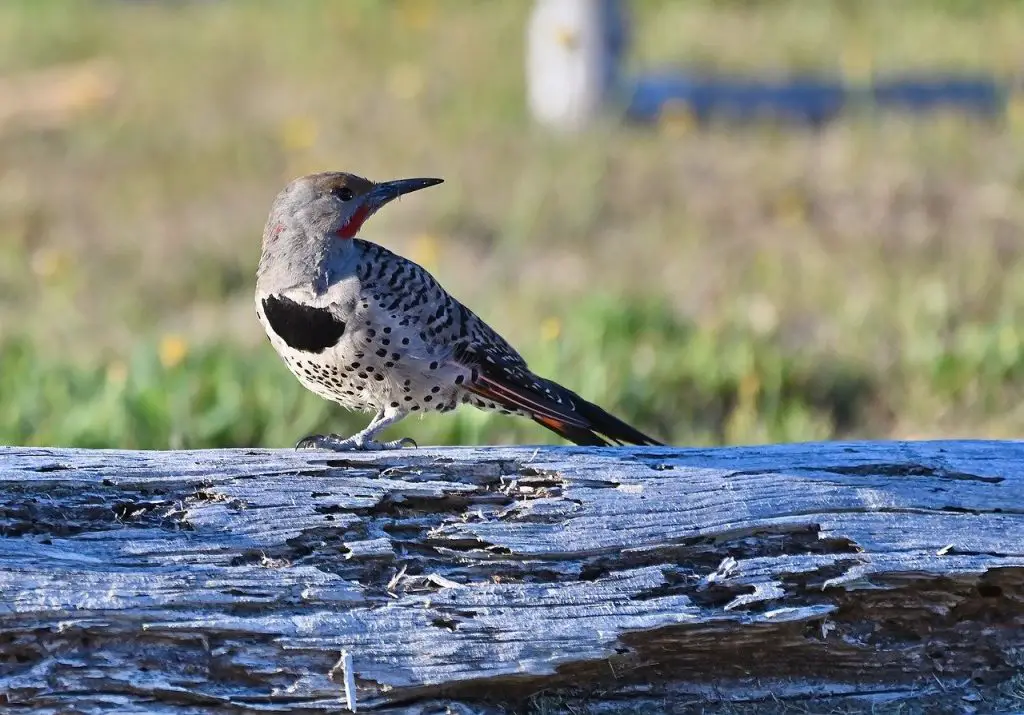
[(235, 580)]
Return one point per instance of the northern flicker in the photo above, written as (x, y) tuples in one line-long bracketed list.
[(375, 332)]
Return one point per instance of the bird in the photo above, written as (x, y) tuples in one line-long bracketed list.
[(375, 332)]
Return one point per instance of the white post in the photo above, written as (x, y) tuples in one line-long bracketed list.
[(573, 52)]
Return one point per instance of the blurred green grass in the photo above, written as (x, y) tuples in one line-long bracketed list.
[(715, 285)]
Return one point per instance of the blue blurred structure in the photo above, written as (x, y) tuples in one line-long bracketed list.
[(576, 50), (805, 99), (978, 94), (808, 100)]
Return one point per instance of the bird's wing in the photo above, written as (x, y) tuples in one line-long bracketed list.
[(492, 368), (502, 377)]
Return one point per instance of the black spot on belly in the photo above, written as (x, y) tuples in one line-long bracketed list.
[(302, 327)]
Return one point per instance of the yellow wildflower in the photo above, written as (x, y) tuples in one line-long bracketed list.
[(417, 14), (550, 329), (299, 133), (566, 38), (173, 350), (50, 263), (424, 251), (676, 118)]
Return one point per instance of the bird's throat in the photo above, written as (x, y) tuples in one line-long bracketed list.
[(355, 222)]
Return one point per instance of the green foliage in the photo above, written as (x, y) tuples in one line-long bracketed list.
[(664, 374), (686, 384), (709, 284)]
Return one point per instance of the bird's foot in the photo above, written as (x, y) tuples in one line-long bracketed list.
[(355, 443)]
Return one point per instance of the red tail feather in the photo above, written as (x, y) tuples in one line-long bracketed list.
[(571, 417)]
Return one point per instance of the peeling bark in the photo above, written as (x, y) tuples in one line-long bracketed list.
[(254, 580)]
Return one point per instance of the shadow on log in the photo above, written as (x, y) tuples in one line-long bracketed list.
[(472, 579)]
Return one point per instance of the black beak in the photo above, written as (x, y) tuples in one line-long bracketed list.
[(390, 190)]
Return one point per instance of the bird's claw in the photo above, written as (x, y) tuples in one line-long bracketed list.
[(316, 441), (336, 443)]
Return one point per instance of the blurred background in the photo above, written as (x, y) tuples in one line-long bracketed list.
[(712, 280)]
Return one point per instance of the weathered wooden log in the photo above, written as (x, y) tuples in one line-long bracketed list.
[(281, 581)]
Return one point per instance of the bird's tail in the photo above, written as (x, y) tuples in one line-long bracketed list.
[(601, 427), (562, 411)]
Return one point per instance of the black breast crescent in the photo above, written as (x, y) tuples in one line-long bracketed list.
[(303, 327)]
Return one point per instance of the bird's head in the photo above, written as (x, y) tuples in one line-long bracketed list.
[(336, 203)]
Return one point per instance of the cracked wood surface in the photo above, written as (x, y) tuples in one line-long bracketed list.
[(263, 580)]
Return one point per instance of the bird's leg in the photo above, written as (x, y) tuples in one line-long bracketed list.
[(362, 440)]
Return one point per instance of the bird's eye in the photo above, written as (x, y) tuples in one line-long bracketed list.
[(343, 192)]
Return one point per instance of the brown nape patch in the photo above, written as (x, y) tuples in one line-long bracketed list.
[(335, 180)]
